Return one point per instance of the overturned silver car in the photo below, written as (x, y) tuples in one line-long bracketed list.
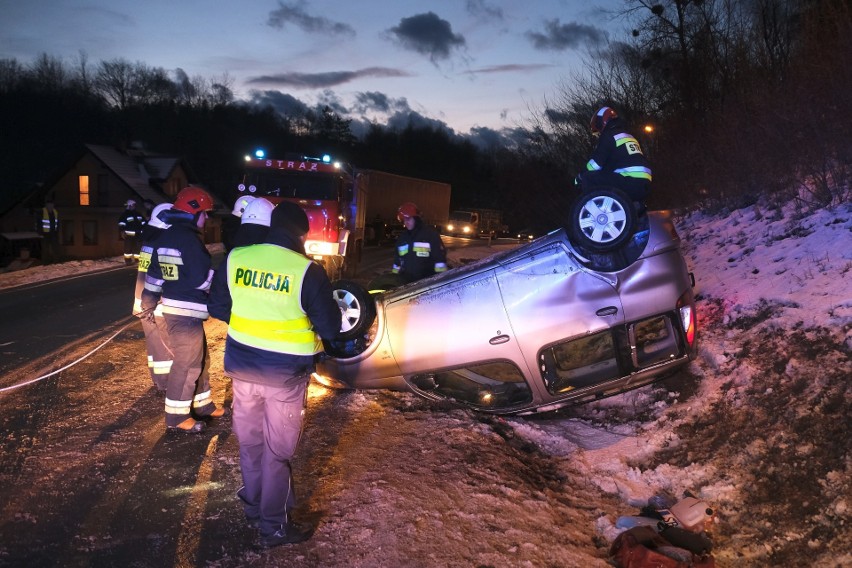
[(526, 330)]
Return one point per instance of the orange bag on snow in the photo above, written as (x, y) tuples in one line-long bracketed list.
[(643, 547)]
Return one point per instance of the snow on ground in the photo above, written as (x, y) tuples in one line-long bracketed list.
[(758, 426)]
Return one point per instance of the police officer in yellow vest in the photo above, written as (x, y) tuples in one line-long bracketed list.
[(279, 305), (49, 228)]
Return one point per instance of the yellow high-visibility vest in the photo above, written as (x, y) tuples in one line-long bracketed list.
[(45, 220), (265, 282)]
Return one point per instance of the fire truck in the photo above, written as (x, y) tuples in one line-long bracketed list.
[(327, 191)]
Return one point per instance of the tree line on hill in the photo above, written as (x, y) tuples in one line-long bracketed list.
[(743, 99)]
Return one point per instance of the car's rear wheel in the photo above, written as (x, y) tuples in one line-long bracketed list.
[(602, 220), (357, 307)]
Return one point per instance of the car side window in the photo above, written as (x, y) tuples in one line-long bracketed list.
[(493, 385)]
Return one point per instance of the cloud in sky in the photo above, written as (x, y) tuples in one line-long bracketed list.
[(285, 104), (510, 68), (559, 37), (427, 34), (323, 80), (295, 14), (374, 101), (482, 10)]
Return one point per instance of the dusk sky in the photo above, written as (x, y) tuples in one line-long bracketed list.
[(465, 63)]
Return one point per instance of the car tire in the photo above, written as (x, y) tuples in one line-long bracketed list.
[(602, 220), (357, 307)]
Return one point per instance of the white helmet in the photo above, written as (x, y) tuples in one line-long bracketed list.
[(259, 212), (155, 220), (240, 205)]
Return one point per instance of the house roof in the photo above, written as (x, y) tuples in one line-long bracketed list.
[(142, 172)]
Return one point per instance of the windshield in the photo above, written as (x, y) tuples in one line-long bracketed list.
[(292, 184)]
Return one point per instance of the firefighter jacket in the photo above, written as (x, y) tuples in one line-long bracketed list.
[(131, 223), (180, 270), (150, 236), (49, 221), (620, 153), (278, 305), (419, 253)]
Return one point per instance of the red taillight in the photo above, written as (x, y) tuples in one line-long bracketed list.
[(686, 309)]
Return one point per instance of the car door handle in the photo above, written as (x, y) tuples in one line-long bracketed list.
[(498, 339), (607, 311)]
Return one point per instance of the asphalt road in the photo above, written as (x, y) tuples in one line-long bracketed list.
[(40, 320)]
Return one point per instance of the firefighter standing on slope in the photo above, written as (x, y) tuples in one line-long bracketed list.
[(156, 335), (420, 251), (617, 160), (130, 224), (180, 274)]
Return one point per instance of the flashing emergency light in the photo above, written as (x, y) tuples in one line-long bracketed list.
[(260, 153), (326, 159)]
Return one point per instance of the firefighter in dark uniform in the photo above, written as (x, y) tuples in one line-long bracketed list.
[(420, 251), (130, 224), (180, 275), (156, 335), (617, 161), (278, 304)]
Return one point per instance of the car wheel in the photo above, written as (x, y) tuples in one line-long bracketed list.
[(357, 307), (602, 220)]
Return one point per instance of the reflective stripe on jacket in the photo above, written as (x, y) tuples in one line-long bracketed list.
[(265, 282), (47, 224)]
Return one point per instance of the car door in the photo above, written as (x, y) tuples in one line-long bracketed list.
[(459, 322)]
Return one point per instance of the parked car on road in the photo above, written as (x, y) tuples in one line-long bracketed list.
[(526, 234), (526, 330)]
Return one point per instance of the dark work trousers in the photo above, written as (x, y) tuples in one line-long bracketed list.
[(131, 248), (159, 355), (188, 391), (50, 251), (268, 424)]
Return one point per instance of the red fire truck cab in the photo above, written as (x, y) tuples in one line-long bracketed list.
[(329, 193)]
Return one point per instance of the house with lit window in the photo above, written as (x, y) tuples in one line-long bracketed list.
[(90, 195)]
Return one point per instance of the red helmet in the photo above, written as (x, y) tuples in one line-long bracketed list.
[(193, 200), (600, 118), (407, 210)]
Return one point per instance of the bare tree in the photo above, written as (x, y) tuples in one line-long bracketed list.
[(221, 90), (81, 76), (11, 75), (48, 73), (116, 82)]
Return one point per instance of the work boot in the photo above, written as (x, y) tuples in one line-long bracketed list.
[(291, 533), (219, 412), (188, 426)]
